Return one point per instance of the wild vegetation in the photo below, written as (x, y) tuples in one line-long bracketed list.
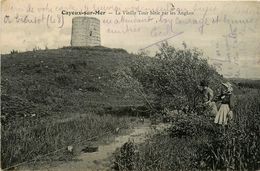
[(55, 98), (50, 81), (246, 83), (173, 76), (23, 141), (44, 91), (193, 142)]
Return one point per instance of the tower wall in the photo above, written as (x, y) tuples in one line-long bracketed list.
[(85, 31)]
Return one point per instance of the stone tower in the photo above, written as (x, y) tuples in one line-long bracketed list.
[(85, 31)]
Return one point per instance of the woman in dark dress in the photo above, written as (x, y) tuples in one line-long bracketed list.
[(207, 97)]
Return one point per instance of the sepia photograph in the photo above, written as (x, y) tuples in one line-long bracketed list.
[(130, 85)]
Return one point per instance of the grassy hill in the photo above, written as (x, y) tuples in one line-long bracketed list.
[(65, 80)]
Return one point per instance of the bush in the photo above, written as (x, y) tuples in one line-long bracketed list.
[(125, 157), (173, 75), (195, 142), (189, 125)]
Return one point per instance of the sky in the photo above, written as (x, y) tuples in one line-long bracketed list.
[(226, 32)]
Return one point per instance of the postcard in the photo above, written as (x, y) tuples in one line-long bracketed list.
[(130, 85)]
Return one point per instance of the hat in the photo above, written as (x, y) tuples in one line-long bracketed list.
[(228, 85)]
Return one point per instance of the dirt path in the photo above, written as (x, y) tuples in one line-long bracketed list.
[(100, 160)]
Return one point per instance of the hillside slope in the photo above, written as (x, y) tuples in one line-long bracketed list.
[(64, 80)]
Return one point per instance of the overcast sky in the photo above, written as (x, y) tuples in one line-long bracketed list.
[(227, 32)]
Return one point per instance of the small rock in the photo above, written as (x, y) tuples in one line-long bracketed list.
[(117, 130), (96, 162), (89, 149), (70, 148)]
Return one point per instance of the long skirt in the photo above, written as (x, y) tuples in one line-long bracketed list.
[(223, 115)]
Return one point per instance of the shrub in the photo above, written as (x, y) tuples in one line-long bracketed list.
[(189, 125), (173, 75), (195, 142), (125, 158)]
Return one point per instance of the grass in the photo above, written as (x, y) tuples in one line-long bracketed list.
[(43, 88), (21, 143), (195, 142), (75, 79), (43, 92)]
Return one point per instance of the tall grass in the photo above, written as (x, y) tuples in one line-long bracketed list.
[(23, 143), (194, 142)]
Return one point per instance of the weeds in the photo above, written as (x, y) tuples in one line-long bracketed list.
[(195, 142), (78, 79), (24, 143), (14, 51), (42, 85)]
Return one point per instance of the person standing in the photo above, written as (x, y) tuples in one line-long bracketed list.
[(207, 97), (225, 114)]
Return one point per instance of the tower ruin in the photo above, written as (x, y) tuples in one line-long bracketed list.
[(85, 31)]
